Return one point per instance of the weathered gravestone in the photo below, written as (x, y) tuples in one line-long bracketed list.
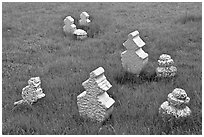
[(94, 102), (69, 26), (32, 92), (166, 66), (176, 105), (134, 58), (84, 19)]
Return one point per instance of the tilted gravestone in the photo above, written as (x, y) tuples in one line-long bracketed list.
[(32, 92), (166, 66), (94, 102), (176, 104), (84, 19), (134, 58)]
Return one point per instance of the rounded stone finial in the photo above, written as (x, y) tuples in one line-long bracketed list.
[(176, 104)]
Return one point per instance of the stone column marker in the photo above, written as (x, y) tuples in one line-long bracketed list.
[(176, 104), (134, 58), (94, 102), (32, 92), (84, 19), (166, 66)]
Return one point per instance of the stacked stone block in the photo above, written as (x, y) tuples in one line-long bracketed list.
[(166, 66), (94, 102)]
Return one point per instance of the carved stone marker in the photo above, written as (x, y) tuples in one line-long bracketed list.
[(32, 92), (134, 58), (166, 66), (69, 26), (84, 19), (95, 103), (176, 104)]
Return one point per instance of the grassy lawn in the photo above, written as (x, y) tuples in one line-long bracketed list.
[(33, 44)]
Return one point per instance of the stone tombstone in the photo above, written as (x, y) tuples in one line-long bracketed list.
[(84, 19), (32, 92), (69, 29), (80, 34), (94, 102), (166, 66), (69, 26), (134, 58), (176, 104)]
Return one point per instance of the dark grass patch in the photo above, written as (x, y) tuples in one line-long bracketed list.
[(189, 18)]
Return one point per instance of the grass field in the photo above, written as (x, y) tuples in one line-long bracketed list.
[(33, 44)]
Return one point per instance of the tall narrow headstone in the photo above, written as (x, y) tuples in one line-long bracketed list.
[(94, 102), (176, 104), (166, 66), (32, 92), (84, 19), (134, 58)]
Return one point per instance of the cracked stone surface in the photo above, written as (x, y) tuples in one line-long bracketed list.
[(94, 102)]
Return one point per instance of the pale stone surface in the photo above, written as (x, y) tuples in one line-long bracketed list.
[(176, 104), (69, 29), (166, 66), (80, 34), (95, 103), (134, 58), (32, 92), (84, 19), (68, 20)]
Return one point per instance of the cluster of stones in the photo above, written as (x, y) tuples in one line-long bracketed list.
[(134, 58), (94, 102), (166, 66), (176, 104), (32, 92), (70, 28)]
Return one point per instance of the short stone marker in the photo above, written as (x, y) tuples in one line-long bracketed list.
[(80, 34), (134, 58), (176, 104), (84, 19), (95, 103), (166, 66), (32, 92)]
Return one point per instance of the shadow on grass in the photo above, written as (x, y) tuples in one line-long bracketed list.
[(127, 77)]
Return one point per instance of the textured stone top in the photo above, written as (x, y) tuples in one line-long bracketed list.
[(134, 41), (178, 97), (68, 20), (34, 82), (97, 80), (84, 15)]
